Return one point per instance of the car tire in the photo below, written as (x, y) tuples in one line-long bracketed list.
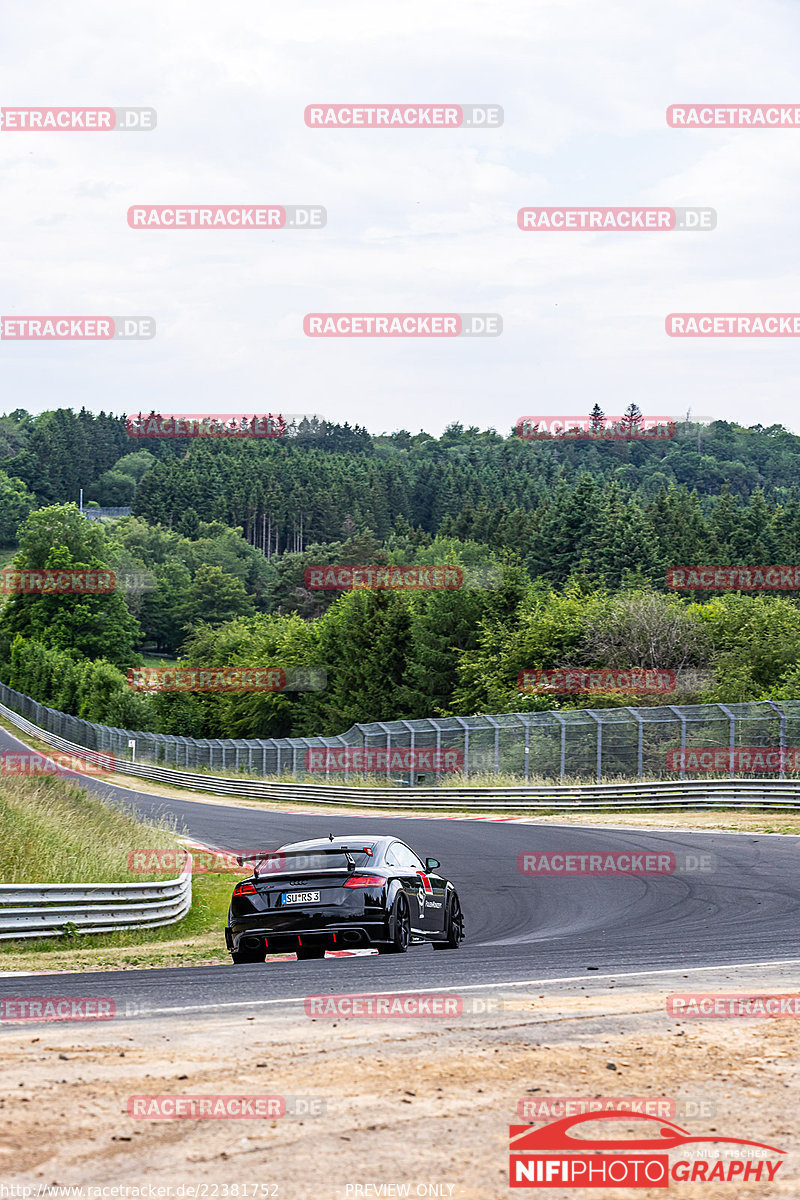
[(399, 928), (250, 954), (455, 927), (310, 952)]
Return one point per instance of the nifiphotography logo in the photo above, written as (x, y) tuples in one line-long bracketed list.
[(581, 1152)]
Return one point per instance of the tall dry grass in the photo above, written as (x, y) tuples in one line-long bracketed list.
[(54, 831)]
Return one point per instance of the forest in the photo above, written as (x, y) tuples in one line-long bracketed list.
[(565, 546)]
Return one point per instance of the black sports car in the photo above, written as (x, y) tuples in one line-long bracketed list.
[(342, 893)]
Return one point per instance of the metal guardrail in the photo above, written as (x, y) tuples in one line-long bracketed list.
[(590, 797), (35, 910)]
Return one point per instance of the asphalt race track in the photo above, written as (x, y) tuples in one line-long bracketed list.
[(518, 927)]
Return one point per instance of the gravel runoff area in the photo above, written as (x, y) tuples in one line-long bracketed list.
[(391, 1106)]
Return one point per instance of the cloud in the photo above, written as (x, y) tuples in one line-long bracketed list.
[(417, 220)]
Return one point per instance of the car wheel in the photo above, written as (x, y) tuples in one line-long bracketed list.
[(310, 952), (455, 927), (249, 954), (399, 928)]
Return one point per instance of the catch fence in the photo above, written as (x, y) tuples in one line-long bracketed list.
[(569, 744)]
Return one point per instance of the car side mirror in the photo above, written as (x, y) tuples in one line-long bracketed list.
[(431, 864)]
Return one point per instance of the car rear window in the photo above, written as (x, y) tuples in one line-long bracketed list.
[(307, 860)]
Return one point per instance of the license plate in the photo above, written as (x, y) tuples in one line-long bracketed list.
[(301, 897)]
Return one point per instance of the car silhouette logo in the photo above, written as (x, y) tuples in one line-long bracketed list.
[(558, 1135)]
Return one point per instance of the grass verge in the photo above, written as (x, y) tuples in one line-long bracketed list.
[(54, 831)]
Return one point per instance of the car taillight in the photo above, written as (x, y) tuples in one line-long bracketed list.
[(365, 881), (244, 889)]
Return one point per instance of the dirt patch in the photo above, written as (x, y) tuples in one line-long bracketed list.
[(419, 1102)]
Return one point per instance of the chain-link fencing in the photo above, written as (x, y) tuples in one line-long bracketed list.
[(584, 744)]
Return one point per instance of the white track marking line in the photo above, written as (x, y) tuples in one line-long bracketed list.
[(465, 988)]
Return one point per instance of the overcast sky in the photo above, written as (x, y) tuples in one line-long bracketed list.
[(418, 221)]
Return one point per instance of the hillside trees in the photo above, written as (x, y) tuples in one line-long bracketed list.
[(90, 624)]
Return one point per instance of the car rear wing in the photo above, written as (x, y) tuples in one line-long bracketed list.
[(257, 859)]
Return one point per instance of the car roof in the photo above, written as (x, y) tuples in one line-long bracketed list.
[(353, 841)]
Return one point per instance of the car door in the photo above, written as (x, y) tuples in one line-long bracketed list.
[(436, 899), (430, 905), (405, 866)]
